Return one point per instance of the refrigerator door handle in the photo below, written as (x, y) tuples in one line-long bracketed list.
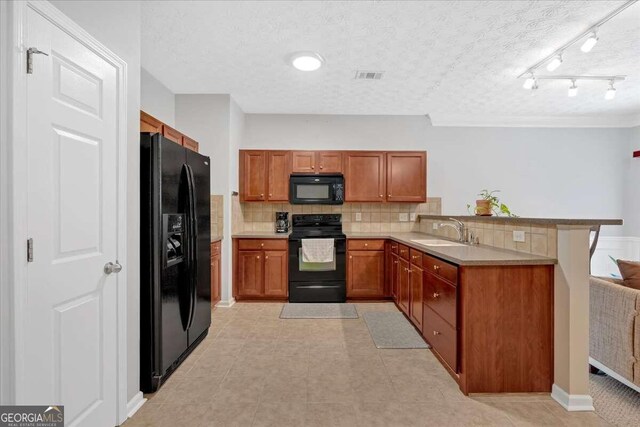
[(193, 245)]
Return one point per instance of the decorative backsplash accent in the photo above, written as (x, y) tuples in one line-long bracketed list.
[(539, 239), (217, 214), (374, 216)]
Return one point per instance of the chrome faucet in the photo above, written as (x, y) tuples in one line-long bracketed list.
[(458, 226)]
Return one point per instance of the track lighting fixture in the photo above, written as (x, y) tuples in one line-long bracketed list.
[(528, 84), (554, 59), (573, 89), (590, 42), (611, 92)]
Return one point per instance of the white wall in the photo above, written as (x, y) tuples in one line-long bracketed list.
[(156, 99), (541, 172), (116, 24)]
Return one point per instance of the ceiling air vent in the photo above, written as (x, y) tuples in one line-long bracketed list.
[(369, 75)]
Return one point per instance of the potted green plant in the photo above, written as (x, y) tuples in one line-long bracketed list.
[(489, 203)]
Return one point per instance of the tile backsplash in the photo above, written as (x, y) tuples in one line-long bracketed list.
[(373, 217), (539, 239), (217, 213)]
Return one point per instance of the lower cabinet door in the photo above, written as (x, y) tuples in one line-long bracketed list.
[(250, 273), (365, 277), (215, 279), (403, 286), (415, 296), (276, 273), (395, 269)]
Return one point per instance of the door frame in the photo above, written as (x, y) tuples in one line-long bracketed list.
[(13, 191)]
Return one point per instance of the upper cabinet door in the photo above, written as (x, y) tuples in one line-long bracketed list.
[(364, 175), (303, 161), (253, 175), (172, 134), (329, 161), (278, 186), (148, 123), (190, 143), (407, 177)]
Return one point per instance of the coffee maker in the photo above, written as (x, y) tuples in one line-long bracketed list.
[(282, 222)]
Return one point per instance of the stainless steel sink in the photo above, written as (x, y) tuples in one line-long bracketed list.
[(437, 242)]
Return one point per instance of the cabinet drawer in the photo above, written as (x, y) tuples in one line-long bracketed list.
[(440, 296), (365, 245), (258, 244), (441, 336), (441, 269), (403, 251), (415, 257)]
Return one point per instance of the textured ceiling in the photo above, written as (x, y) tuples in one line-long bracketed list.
[(456, 58)]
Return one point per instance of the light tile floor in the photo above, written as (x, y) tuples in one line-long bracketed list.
[(255, 369)]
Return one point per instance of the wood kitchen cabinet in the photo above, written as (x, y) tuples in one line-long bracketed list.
[(403, 286), (264, 176), (216, 277), (407, 177), (260, 268), (316, 161), (365, 176), (148, 123), (415, 295), (365, 268)]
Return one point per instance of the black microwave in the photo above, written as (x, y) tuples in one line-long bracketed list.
[(307, 189)]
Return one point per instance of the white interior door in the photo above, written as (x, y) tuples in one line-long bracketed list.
[(70, 314)]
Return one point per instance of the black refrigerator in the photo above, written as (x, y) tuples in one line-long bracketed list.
[(175, 254)]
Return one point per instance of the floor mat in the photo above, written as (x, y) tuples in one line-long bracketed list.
[(318, 311), (392, 330)]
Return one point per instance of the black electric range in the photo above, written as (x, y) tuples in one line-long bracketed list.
[(317, 282)]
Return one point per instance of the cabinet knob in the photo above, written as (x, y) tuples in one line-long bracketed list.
[(257, 257), (313, 167), (261, 194), (266, 257), (321, 167), (270, 194), (436, 295), (381, 195), (261, 244), (366, 244), (350, 256), (395, 262), (388, 195), (436, 333)]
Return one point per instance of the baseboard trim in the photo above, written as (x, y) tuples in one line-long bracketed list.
[(226, 304), (135, 403), (572, 402), (613, 374)]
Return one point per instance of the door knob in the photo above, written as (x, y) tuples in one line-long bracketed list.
[(112, 268)]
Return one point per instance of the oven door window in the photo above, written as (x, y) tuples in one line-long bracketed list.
[(312, 191), (316, 266)]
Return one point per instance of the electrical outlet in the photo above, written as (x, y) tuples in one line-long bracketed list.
[(518, 236), (358, 216), (412, 217), (403, 217), (435, 226)]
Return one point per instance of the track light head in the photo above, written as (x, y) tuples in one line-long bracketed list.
[(528, 84), (573, 89), (555, 62), (611, 92), (590, 42)]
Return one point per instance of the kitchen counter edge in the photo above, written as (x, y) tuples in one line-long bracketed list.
[(260, 235)]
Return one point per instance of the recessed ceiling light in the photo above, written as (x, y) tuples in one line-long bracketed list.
[(306, 61)]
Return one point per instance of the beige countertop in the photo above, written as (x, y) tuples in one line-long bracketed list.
[(461, 255), (215, 239), (260, 235), (519, 220)]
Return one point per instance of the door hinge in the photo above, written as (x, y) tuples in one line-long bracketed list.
[(29, 249), (30, 52)]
